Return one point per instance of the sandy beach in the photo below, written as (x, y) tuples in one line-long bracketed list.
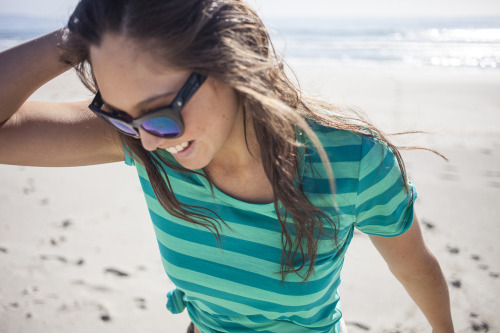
[(78, 253)]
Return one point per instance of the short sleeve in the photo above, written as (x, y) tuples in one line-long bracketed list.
[(383, 206), (128, 158)]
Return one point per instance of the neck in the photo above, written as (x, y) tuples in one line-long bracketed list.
[(241, 153), (238, 170)]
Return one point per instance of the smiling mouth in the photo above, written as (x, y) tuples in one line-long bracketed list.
[(177, 149)]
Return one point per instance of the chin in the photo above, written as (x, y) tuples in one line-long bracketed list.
[(191, 165)]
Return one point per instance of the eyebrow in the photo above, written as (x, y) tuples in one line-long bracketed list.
[(154, 98), (142, 104)]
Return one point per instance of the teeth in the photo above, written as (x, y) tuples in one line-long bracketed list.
[(180, 147), (171, 150)]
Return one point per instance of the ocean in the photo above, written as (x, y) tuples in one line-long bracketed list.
[(436, 42), (461, 43)]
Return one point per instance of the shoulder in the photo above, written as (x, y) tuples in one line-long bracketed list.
[(329, 135), (361, 142), (340, 145)]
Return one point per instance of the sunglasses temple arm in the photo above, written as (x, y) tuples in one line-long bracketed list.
[(195, 81)]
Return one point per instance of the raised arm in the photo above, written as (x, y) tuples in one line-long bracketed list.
[(47, 133), (417, 269)]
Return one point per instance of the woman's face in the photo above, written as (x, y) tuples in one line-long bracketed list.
[(132, 80)]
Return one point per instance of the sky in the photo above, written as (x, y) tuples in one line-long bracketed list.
[(61, 9)]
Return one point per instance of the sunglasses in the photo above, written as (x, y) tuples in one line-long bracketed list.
[(164, 122)]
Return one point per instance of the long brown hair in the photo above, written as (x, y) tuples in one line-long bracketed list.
[(226, 40)]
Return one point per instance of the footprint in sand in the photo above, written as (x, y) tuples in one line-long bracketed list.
[(140, 303), (493, 178), (429, 225), (116, 272), (98, 288), (453, 250), (30, 187), (478, 325), (486, 151), (105, 317), (104, 314), (484, 267), (14, 305), (66, 223), (358, 325), (456, 283), (58, 240), (64, 260), (450, 173), (54, 257)]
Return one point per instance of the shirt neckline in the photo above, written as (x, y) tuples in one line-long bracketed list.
[(266, 207)]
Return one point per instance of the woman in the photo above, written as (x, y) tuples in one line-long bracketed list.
[(254, 189)]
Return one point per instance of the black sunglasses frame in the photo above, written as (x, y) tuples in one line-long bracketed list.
[(172, 111)]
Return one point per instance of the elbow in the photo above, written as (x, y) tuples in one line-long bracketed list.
[(12, 120), (3, 122), (418, 269)]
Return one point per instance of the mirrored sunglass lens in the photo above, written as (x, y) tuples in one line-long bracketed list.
[(123, 127), (161, 127)]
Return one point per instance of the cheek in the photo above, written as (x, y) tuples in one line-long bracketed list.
[(227, 108), (213, 121), (216, 117)]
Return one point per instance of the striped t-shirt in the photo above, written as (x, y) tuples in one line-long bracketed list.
[(237, 287)]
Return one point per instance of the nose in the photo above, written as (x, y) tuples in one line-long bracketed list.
[(149, 141)]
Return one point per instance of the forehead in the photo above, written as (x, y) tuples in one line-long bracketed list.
[(127, 73)]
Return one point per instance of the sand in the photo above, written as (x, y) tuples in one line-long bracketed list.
[(78, 253)]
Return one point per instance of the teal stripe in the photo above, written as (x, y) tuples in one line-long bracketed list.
[(256, 254), (321, 185), (259, 251), (336, 154), (260, 319), (384, 217), (146, 187), (227, 213), (391, 225), (128, 159), (234, 216), (242, 276), (368, 144), (257, 304), (230, 216), (316, 319), (379, 173), (383, 198), (340, 170), (231, 326)]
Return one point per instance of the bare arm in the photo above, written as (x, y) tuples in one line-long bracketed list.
[(417, 269), (47, 133)]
